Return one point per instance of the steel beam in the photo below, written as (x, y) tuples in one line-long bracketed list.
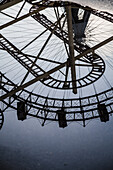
[(94, 48), (71, 48), (9, 4), (22, 17)]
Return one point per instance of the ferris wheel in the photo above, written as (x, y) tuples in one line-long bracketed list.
[(56, 61)]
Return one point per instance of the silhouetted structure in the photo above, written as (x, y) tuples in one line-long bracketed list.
[(67, 69)]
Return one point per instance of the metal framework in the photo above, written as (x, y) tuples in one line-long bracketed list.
[(61, 74)]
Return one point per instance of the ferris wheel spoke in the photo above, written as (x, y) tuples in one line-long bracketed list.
[(7, 15), (40, 52), (57, 13), (42, 33), (59, 32), (33, 40), (48, 60), (55, 27), (21, 9)]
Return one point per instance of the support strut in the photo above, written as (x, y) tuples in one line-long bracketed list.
[(71, 49)]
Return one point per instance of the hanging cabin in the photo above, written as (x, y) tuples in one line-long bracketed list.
[(21, 110), (103, 113), (62, 118)]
